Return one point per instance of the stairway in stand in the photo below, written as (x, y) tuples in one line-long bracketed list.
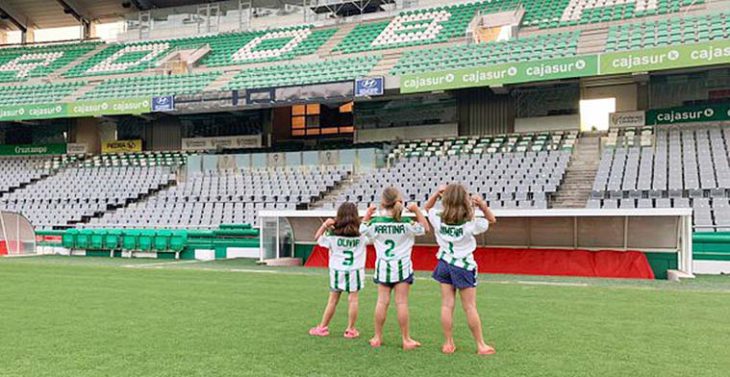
[(578, 181)]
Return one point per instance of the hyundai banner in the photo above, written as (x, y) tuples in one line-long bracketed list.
[(166, 103), (369, 86)]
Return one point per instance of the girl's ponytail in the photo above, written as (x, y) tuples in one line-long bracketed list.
[(392, 201)]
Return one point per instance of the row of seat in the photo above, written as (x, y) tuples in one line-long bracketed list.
[(142, 240), (149, 86), (543, 46), (408, 28), (22, 63), (526, 142), (330, 70), (674, 31), (37, 93)]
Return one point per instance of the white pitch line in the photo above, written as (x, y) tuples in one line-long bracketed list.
[(23, 255), (159, 264)]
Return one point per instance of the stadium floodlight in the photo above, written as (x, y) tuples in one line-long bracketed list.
[(17, 236)]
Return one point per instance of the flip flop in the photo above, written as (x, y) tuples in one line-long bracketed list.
[(351, 334), (487, 352), (319, 331), (375, 343)]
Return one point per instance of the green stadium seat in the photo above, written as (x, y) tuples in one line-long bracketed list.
[(112, 240), (97, 239), (162, 240), (83, 239), (130, 239), (149, 86), (68, 240), (146, 239)]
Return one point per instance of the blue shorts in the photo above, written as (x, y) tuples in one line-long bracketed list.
[(408, 280), (458, 277)]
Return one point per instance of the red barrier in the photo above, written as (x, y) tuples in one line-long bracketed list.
[(3, 248), (554, 262)]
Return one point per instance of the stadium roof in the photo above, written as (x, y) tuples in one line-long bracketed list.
[(42, 14)]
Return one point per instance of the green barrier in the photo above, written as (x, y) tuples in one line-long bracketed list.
[(197, 233), (236, 232), (235, 226), (178, 240), (711, 246)]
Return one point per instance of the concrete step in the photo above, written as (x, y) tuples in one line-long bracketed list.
[(343, 30)]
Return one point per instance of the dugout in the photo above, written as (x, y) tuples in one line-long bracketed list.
[(617, 243)]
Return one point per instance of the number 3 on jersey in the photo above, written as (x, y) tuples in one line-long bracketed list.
[(391, 246), (350, 258)]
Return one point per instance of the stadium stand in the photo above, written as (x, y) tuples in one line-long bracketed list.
[(19, 171), (24, 63), (551, 14), (686, 167), (544, 46), (148, 86), (225, 49), (79, 191), (215, 197), (670, 31), (37, 93), (511, 171), (303, 73), (411, 28)]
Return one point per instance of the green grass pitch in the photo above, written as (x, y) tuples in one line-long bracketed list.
[(63, 316)]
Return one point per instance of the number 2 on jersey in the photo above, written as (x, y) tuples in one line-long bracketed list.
[(451, 248), (349, 259), (391, 246)]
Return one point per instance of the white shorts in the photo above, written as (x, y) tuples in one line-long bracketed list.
[(347, 281)]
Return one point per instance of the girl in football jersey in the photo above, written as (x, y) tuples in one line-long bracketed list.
[(341, 236), (393, 237), (455, 227)]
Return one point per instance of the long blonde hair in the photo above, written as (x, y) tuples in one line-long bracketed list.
[(457, 205), (392, 201)]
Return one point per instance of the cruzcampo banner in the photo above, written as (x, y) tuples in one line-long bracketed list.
[(32, 149), (110, 107), (122, 146), (656, 59), (688, 114), (509, 73)]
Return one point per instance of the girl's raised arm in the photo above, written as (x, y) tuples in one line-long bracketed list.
[(325, 225), (369, 214), (431, 202), (413, 207), (482, 205)]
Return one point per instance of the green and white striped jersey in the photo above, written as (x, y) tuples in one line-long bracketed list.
[(393, 241), (457, 242), (346, 253)]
